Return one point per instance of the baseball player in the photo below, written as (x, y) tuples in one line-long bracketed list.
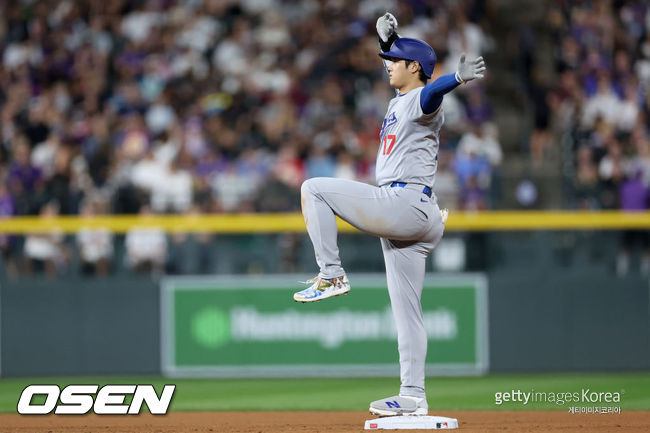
[(402, 210)]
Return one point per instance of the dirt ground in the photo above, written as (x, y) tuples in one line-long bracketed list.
[(317, 422)]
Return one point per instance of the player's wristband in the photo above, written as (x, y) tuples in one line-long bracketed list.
[(385, 46)]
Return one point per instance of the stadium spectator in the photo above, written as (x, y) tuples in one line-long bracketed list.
[(634, 198), (146, 248), (25, 181), (45, 252), (95, 244), (611, 171), (477, 156), (586, 181), (7, 242)]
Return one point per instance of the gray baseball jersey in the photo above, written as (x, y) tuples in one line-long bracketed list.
[(408, 142)]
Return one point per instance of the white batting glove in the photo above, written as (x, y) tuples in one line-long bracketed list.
[(386, 26), (468, 71)]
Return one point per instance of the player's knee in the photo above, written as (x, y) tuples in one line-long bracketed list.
[(314, 187), (308, 187)]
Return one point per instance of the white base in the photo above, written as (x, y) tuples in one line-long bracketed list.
[(412, 423)]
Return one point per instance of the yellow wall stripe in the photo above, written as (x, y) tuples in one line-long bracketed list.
[(293, 222)]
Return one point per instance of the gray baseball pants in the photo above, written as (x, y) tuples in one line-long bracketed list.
[(409, 225)]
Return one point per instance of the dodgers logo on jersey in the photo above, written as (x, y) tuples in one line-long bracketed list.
[(389, 121)]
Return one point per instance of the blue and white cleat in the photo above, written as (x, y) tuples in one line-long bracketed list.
[(323, 288), (398, 405)]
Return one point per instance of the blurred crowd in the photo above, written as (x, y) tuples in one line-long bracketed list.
[(601, 98), (164, 106), (599, 106)]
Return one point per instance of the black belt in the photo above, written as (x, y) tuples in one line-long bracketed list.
[(426, 189)]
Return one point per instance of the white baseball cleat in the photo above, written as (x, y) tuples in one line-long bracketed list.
[(400, 405), (323, 288)]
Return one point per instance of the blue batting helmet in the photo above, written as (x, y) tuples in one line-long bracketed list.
[(413, 49)]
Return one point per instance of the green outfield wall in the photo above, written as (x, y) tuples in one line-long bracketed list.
[(556, 319), (79, 326)]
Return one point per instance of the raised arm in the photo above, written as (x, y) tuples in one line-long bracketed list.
[(431, 96), (386, 33)]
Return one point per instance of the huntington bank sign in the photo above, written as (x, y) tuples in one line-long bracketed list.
[(250, 326)]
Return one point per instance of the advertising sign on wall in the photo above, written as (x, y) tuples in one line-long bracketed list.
[(250, 326)]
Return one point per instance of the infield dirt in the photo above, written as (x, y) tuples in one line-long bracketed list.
[(318, 422)]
